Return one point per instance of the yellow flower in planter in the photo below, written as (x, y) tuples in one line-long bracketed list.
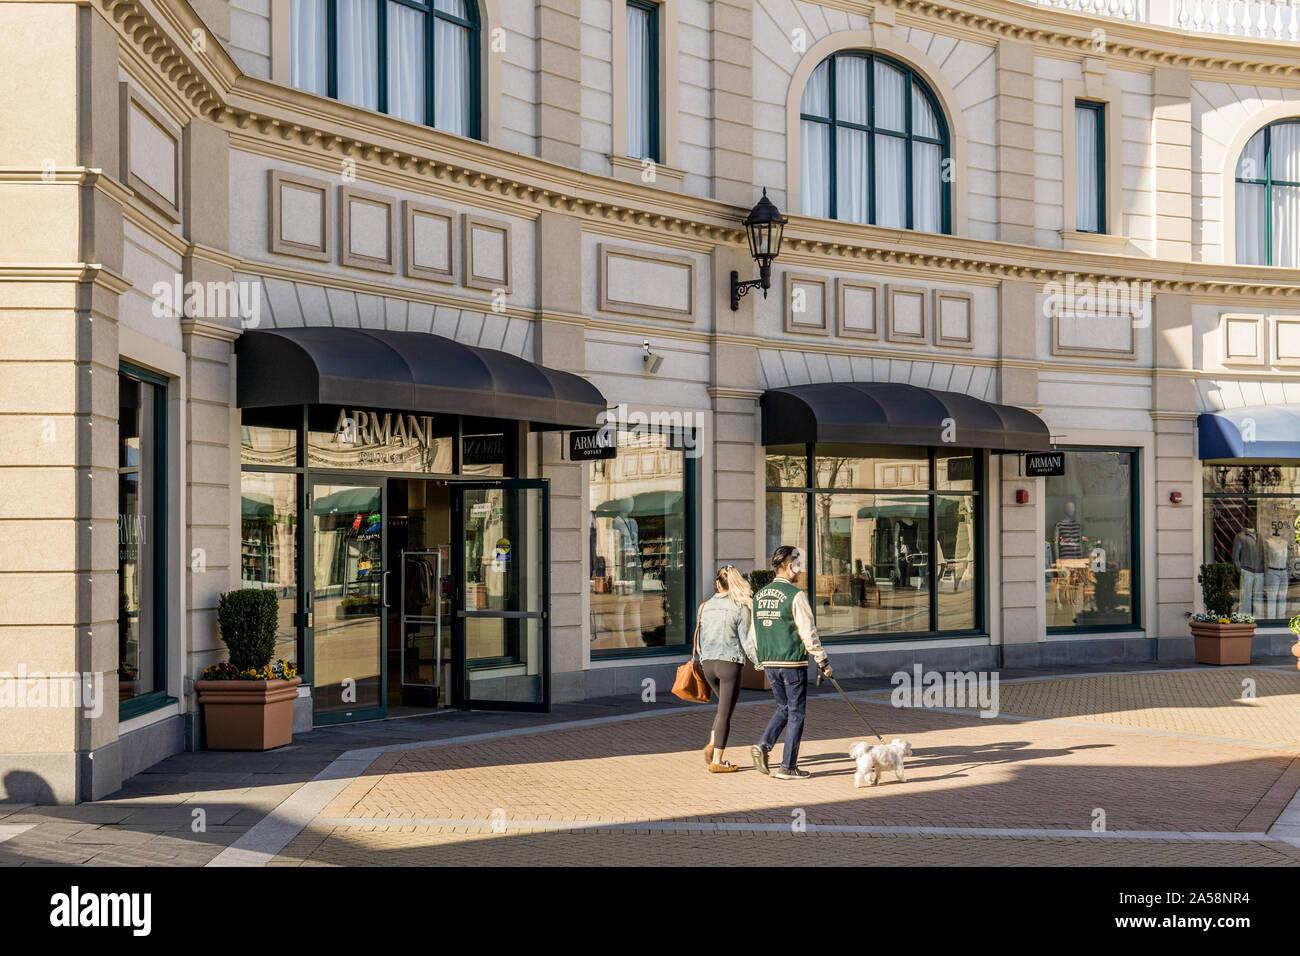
[(1224, 620)]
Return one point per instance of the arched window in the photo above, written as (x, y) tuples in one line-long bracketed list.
[(874, 141), (1268, 197), (414, 59)]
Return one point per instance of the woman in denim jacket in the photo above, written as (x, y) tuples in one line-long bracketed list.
[(724, 639)]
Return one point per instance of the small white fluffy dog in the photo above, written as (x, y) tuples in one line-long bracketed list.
[(872, 758)]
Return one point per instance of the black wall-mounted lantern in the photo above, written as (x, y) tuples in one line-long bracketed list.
[(764, 226)]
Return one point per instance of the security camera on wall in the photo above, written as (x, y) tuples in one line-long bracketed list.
[(651, 360)]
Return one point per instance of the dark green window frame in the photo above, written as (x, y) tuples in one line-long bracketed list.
[(1100, 159), (691, 546), (1135, 543), (932, 493), (652, 79), (1268, 182), (135, 706), (913, 80), (432, 15)]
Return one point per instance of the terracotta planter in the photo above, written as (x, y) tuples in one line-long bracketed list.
[(1222, 643), (1295, 651), (247, 714)]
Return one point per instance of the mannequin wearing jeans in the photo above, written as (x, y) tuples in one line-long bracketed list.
[(1248, 557), (1275, 555)]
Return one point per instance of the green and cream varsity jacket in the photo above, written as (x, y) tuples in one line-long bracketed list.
[(783, 627)]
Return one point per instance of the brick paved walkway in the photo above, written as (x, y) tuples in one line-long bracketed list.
[(1185, 770), (1152, 752)]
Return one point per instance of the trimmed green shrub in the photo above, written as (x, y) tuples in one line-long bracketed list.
[(1216, 581), (759, 577), (248, 619)]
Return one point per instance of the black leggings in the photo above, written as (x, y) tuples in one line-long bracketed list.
[(724, 679)]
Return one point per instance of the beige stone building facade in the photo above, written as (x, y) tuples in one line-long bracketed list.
[(325, 297)]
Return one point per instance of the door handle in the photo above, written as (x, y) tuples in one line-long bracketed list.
[(384, 588)]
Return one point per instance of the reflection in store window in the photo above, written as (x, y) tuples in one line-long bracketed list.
[(1089, 541), (1252, 521), (269, 547), (639, 548)]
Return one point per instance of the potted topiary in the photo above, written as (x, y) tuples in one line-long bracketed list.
[(248, 700), (1221, 636), (1294, 627)]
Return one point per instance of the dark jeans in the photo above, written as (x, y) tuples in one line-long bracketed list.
[(790, 688), (724, 679)]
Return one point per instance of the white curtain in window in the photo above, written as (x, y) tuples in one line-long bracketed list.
[(927, 187), (309, 46), (452, 83), (891, 103), (1284, 161), (358, 52), (817, 94), (851, 89), (406, 62), (639, 80), (1251, 163), (1086, 174), (851, 178), (891, 181), (456, 8), (815, 169), (924, 122), (1250, 224)]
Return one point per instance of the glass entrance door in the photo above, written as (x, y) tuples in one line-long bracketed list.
[(503, 569), (348, 598)]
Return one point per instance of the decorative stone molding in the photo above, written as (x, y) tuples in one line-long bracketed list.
[(673, 277), (954, 319), (376, 218), (146, 136), (486, 253), (429, 240), (857, 309), (907, 314), (309, 243), (807, 304)]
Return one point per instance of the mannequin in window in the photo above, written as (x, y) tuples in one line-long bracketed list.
[(1275, 576), (1068, 535), (1248, 558)]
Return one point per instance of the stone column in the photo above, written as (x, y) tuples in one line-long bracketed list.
[(559, 81), (1015, 122), (734, 388), (1173, 400), (733, 103), (59, 401), (1019, 546), (1172, 105), (559, 341)]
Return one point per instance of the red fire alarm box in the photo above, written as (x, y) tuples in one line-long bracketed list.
[(1022, 496)]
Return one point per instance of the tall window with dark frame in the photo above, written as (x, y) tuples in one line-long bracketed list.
[(643, 80), (1089, 166), (1268, 197), (418, 61), (874, 145), (141, 541)]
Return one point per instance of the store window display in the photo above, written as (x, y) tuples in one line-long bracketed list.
[(1089, 547), (640, 548), (1251, 515)]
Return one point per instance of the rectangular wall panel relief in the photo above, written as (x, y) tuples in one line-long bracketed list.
[(954, 319), (151, 153), (300, 215), (858, 309), (1243, 340), (486, 253), (643, 283), (807, 304), (1094, 333), (430, 241), (1286, 340), (367, 230), (906, 314)]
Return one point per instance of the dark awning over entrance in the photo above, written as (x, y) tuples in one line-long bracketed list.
[(890, 413), (411, 371), (1256, 431)]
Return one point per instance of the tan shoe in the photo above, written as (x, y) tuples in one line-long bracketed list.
[(708, 753), (723, 767)]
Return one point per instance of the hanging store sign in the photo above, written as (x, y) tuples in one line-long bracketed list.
[(593, 445), (1045, 465)]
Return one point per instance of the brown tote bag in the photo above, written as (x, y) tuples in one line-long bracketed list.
[(690, 683)]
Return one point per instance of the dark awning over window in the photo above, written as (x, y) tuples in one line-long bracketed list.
[(890, 413), (1256, 431), (411, 371)]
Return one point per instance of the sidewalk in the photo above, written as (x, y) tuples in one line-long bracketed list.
[(1184, 771)]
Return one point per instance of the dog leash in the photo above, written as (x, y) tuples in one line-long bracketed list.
[(822, 674)]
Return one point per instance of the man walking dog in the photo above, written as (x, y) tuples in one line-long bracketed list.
[(785, 635)]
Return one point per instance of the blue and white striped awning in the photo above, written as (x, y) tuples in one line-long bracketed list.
[(1256, 431)]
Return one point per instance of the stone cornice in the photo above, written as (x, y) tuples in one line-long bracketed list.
[(209, 330)]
